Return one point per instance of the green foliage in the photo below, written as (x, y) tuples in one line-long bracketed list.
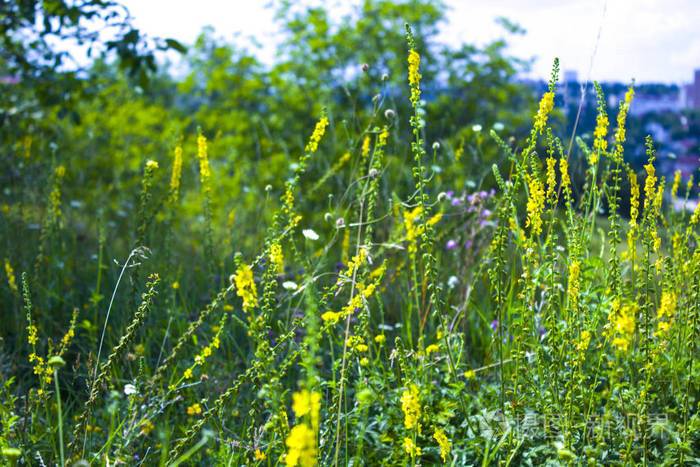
[(335, 281)]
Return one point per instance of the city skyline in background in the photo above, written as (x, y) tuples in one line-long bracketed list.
[(604, 40)]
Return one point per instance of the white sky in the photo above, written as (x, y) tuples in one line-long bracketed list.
[(649, 40)]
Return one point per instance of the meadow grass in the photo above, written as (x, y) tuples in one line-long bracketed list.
[(537, 323)]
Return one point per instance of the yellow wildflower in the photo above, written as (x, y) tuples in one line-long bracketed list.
[(414, 75), (574, 284), (667, 310), (470, 374), (259, 455), (306, 402), (622, 319), (583, 341), (411, 448), (443, 442), (410, 405), (620, 133), (546, 106), (301, 444), (676, 184), (600, 144), (551, 177), (176, 173), (331, 316), (151, 165), (245, 287), (194, 409), (564, 170), (431, 349), (380, 339), (11, 279), (146, 427), (203, 157), (316, 136), (535, 205), (277, 258)]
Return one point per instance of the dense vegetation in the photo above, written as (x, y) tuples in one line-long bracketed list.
[(339, 259)]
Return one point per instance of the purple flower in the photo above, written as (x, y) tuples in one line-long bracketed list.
[(494, 325), (451, 244), (468, 244), (456, 202), (449, 194), (485, 213)]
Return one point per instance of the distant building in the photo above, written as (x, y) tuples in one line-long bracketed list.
[(645, 103), (570, 76), (691, 93)]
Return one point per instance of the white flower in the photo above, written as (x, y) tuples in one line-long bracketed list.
[(130, 389), (476, 128), (289, 285), (310, 234), (452, 282), (498, 126)]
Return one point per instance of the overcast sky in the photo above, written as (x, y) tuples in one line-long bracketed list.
[(649, 40)]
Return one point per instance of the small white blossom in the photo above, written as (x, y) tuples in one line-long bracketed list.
[(289, 285), (130, 389), (310, 234)]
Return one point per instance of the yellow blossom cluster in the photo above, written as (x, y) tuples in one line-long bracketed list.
[(245, 287), (666, 311), (551, 177), (301, 442), (622, 318), (176, 173), (411, 448), (410, 405), (194, 409), (414, 229), (574, 284), (600, 143), (316, 136), (443, 443), (535, 205), (546, 106), (564, 170), (621, 132), (203, 157), (414, 75), (205, 353), (277, 257), (11, 279)]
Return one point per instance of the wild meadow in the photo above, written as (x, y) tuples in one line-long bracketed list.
[(359, 295)]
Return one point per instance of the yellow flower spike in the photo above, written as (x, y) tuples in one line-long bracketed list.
[(316, 136), (564, 170), (443, 443), (11, 279), (535, 205), (600, 144), (277, 257), (676, 184), (546, 106), (245, 287), (301, 447), (411, 448), (410, 405), (551, 177), (414, 75), (176, 174), (203, 157)]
